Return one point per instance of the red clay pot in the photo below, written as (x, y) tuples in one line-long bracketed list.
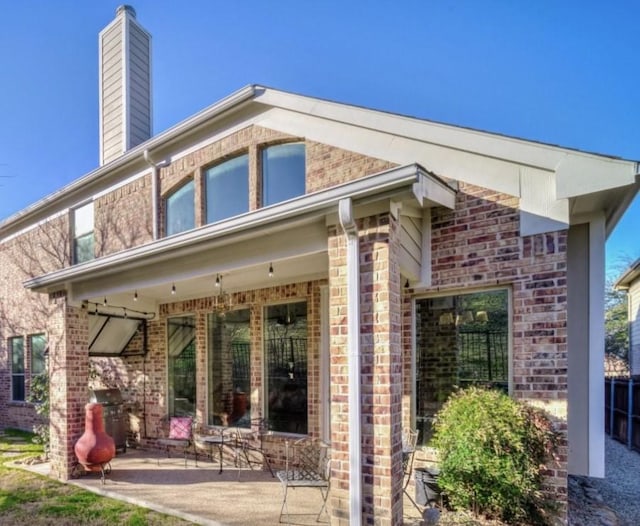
[(94, 448)]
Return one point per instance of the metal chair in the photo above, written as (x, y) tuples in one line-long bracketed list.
[(180, 435), (409, 443), (250, 443), (307, 466)]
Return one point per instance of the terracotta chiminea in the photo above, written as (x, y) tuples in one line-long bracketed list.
[(94, 448)]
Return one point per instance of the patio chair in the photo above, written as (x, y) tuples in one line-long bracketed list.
[(180, 435), (307, 466), (409, 442)]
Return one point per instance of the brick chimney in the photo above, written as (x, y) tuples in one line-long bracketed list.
[(125, 85)]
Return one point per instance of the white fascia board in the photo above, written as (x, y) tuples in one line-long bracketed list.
[(476, 157), (578, 175), (401, 149), (515, 150), (245, 226)]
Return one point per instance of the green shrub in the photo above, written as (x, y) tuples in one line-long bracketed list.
[(493, 451), (39, 396)]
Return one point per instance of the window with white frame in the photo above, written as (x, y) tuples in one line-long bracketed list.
[(16, 347), (180, 209), (227, 189), (283, 172), (83, 234), (461, 340), (285, 348)]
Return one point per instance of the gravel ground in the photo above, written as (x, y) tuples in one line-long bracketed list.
[(613, 500)]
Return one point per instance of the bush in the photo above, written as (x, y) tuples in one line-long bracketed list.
[(39, 396), (493, 452)]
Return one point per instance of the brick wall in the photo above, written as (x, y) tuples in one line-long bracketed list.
[(477, 246), (123, 218), (22, 313), (381, 372)]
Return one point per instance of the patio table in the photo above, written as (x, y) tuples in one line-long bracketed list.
[(214, 440)]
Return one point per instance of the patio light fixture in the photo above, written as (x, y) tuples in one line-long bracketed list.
[(270, 270)]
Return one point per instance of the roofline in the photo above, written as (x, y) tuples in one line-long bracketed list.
[(262, 88), (630, 275), (247, 93), (378, 186)]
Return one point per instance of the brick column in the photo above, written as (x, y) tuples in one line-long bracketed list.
[(69, 376), (381, 372)]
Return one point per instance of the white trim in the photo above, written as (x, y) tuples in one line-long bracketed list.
[(425, 277), (596, 345), (347, 221)]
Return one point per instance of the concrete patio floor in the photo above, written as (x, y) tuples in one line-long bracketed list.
[(201, 495)]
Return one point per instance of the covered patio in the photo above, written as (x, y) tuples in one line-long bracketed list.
[(200, 494)]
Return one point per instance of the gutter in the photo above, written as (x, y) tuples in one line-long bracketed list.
[(347, 221), (378, 186)]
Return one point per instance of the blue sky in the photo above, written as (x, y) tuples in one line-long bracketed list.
[(558, 72)]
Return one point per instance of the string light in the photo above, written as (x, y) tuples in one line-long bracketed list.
[(105, 301), (270, 270), (135, 296), (217, 281), (173, 289)]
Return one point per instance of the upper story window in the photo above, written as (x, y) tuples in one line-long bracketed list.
[(283, 172), (180, 209), (461, 340), (16, 347), (227, 188), (83, 237)]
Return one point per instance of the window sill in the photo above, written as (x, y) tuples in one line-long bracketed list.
[(19, 403)]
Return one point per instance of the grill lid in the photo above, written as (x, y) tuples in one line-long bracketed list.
[(106, 396)]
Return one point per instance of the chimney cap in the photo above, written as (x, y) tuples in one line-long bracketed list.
[(124, 9)]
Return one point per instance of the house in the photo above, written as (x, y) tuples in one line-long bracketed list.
[(630, 281), (332, 268)]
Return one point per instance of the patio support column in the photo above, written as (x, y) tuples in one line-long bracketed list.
[(68, 375), (380, 372)]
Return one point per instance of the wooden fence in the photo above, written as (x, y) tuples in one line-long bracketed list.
[(622, 410)]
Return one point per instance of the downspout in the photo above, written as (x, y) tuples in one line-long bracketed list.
[(155, 176), (345, 212)]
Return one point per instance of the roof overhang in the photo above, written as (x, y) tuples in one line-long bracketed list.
[(631, 274), (555, 185), (289, 230)]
